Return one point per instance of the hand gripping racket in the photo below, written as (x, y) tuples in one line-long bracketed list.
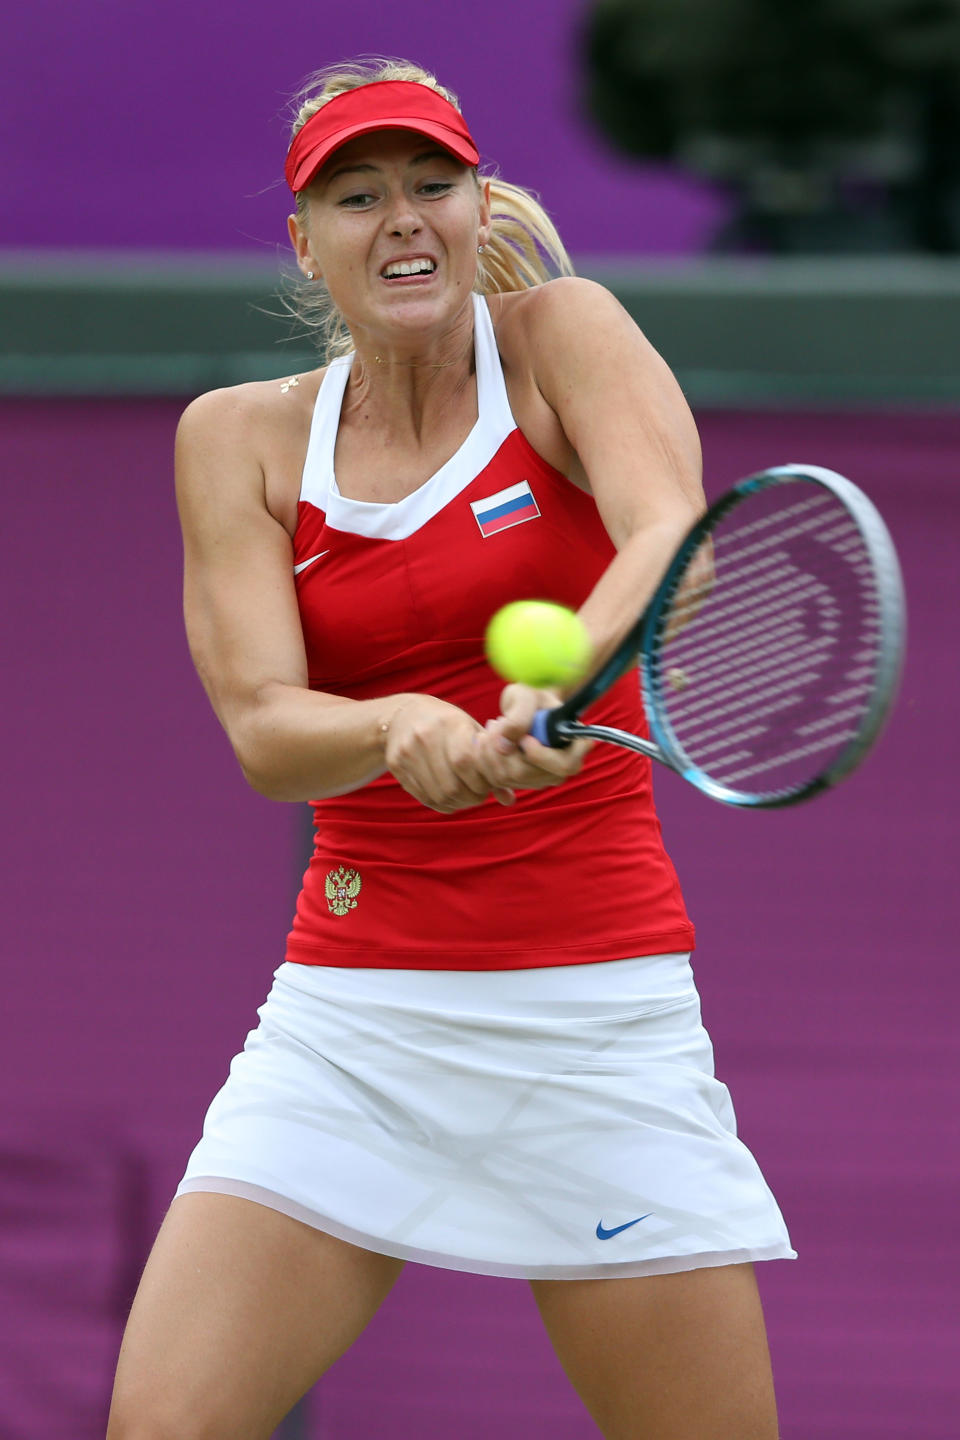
[(770, 652)]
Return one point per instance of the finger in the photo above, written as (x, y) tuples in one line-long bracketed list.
[(456, 791), (460, 779), (428, 776), (553, 757), (534, 766), (436, 764), (537, 758), (419, 752), (518, 705), (489, 765), (482, 778)]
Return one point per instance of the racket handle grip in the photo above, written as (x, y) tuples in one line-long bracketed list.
[(544, 729)]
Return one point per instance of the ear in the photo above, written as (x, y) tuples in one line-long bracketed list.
[(485, 219), (301, 246)]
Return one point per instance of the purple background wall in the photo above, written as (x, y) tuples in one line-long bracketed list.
[(158, 123), (148, 892)]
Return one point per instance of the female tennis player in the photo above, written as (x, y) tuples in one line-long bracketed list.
[(483, 1050)]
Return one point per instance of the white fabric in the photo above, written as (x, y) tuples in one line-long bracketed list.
[(400, 519), (492, 1121)]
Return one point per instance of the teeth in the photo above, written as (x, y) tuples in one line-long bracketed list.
[(409, 267)]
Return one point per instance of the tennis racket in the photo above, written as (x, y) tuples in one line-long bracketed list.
[(771, 650)]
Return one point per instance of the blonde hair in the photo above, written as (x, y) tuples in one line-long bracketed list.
[(523, 250)]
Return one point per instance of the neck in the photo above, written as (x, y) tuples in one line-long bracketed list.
[(409, 377)]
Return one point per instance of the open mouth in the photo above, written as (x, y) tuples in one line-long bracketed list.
[(402, 269)]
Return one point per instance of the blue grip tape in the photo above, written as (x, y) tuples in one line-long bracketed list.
[(539, 727)]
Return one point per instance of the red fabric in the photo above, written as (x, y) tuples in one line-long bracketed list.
[(566, 875), (383, 105)]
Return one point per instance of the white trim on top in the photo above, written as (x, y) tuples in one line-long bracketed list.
[(399, 519)]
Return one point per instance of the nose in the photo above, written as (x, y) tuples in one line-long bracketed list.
[(402, 218)]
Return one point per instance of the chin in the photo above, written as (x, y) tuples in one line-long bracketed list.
[(422, 310)]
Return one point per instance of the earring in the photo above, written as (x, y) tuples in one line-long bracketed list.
[(479, 249), (309, 274)]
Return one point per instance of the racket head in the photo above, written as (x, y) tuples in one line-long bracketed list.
[(772, 649)]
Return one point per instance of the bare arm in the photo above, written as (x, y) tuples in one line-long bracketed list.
[(633, 443), (245, 637), (634, 439), (242, 622)]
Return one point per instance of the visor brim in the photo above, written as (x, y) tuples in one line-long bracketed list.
[(311, 163)]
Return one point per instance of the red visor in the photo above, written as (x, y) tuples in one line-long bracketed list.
[(383, 105)]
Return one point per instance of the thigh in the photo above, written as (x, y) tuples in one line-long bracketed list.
[(239, 1310), (666, 1357)]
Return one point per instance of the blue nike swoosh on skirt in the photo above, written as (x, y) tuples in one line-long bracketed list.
[(606, 1234)]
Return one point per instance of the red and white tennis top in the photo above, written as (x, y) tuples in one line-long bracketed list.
[(396, 597)]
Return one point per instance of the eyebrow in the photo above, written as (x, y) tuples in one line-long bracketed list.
[(421, 159)]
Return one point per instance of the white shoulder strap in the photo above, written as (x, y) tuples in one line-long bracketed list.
[(317, 480), (492, 402)]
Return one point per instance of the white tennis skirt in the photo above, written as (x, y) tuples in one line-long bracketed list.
[(558, 1123)]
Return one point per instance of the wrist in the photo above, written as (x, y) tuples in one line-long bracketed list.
[(387, 715)]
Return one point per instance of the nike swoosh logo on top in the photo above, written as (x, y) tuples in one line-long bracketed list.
[(606, 1234), (304, 563)]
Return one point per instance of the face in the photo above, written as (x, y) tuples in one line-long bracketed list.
[(384, 201)]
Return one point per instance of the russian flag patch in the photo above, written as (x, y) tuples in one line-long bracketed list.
[(508, 507)]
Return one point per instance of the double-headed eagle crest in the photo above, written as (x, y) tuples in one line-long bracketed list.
[(342, 888)]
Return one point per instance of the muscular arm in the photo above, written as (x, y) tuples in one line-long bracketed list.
[(631, 441), (242, 622), (244, 632)]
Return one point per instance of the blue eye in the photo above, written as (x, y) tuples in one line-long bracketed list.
[(436, 187), (356, 202)]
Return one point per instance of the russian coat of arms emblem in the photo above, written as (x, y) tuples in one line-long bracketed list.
[(342, 887)]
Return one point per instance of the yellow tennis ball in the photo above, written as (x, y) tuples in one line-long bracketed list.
[(538, 643)]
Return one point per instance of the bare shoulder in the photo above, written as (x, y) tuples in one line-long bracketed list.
[(567, 311), (571, 346), (236, 442), (242, 412), (573, 334)]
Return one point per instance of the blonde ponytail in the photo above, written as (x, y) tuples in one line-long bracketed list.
[(524, 248)]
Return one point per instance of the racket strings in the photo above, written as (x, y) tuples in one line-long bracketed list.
[(769, 652), (762, 558)]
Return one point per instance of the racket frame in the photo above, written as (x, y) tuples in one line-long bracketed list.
[(560, 726)]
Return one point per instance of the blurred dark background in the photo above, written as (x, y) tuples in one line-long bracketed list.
[(831, 126), (772, 192)]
